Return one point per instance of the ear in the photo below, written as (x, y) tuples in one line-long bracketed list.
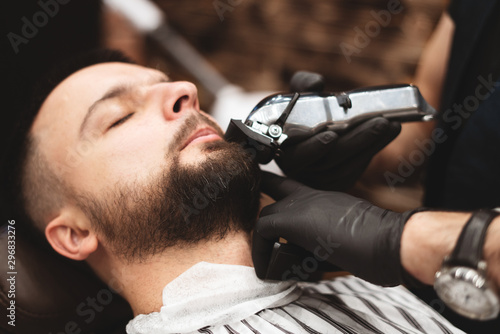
[(70, 238)]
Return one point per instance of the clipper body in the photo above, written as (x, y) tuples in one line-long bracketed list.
[(284, 119)]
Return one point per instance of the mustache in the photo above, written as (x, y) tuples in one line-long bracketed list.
[(189, 126)]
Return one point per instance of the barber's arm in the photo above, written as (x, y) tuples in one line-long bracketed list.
[(431, 235), (429, 78)]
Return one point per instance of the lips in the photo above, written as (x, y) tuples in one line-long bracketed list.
[(202, 135)]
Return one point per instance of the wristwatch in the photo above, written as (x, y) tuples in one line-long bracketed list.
[(462, 283)]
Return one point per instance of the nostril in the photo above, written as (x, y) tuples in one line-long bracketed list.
[(178, 103)]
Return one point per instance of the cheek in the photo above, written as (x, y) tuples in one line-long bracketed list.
[(132, 154), (139, 153)]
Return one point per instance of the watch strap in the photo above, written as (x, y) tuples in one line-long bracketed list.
[(469, 248)]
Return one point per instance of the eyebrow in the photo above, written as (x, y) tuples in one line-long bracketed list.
[(114, 92)]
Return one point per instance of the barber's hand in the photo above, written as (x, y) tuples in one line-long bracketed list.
[(348, 232), (330, 161)]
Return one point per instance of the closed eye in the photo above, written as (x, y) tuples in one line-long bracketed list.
[(120, 121)]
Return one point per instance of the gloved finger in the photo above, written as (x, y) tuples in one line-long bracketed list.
[(363, 152), (343, 176), (365, 139), (338, 178), (262, 249), (297, 157), (364, 158), (278, 187), (304, 81)]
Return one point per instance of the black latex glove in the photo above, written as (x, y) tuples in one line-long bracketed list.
[(348, 232), (328, 160)]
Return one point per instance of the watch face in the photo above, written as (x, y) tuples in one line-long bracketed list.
[(466, 291)]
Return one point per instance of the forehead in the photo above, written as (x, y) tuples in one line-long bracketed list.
[(65, 107)]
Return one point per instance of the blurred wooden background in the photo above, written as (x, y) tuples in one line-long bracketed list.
[(259, 44)]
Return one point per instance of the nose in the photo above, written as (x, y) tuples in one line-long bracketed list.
[(176, 98)]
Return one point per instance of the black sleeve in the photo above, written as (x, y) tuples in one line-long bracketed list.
[(454, 9)]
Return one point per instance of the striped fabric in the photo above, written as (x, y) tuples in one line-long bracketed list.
[(344, 305), (228, 299)]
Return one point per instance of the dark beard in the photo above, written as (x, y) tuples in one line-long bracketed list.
[(185, 205)]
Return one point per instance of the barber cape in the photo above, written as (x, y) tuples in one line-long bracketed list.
[(219, 298)]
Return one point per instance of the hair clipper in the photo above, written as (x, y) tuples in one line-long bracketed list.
[(284, 119)]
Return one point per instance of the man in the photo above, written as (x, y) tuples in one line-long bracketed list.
[(121, 169)]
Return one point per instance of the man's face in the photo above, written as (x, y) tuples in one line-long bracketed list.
[(113, 122), (137, 152)]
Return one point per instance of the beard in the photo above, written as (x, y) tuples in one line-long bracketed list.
[(184, 205)]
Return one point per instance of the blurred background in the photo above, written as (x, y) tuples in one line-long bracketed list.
[(255, 45), (258, 45)]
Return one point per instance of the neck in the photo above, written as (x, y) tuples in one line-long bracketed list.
[(142, 283)]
